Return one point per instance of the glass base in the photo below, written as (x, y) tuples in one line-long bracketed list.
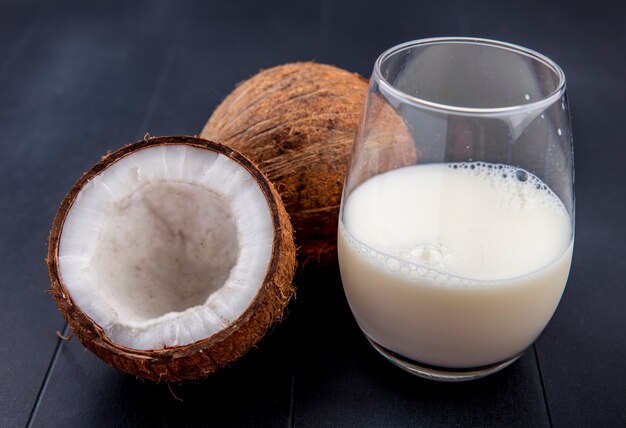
[(441, 374)]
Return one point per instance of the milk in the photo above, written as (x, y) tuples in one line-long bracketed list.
[(454, 265)]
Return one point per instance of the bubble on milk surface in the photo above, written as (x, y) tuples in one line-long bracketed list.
[(520, 188), (428, 261), (399, 265), (521, 175), (393, 264)]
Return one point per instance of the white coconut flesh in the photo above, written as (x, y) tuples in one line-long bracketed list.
[(167, 246)]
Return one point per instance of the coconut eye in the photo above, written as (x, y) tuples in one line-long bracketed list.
[(167, 257)]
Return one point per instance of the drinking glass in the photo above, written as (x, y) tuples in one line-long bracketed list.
[(457, 218)]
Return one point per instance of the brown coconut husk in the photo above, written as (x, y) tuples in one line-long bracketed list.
[(208, 355), (297, 122)]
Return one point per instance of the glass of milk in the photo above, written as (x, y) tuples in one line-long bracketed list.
[(457, 219)]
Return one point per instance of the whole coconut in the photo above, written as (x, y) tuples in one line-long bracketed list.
[(297, 123)]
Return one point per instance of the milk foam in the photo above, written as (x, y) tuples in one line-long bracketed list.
[(507, 190)]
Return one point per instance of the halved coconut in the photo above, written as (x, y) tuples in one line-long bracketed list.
[(171, 257)]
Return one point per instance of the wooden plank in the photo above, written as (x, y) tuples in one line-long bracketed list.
[(186, 88), (583, 351), (355, 33), (95, 77), (64, 100), (18, 23), (28, 321), (83, 391), (342, 381)]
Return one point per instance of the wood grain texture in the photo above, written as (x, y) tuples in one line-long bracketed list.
[(255, 391), (54, 94), (100, 73), (342, 381), (582, 352)]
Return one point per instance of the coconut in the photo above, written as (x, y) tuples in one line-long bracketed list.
[(171, 257), (297, 122)]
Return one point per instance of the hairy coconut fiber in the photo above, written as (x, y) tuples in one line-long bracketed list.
[(208, 355), (297, 122)]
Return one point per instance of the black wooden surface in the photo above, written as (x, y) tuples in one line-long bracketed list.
[(80, 78)]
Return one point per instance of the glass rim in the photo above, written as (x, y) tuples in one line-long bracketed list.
[(420, 102)]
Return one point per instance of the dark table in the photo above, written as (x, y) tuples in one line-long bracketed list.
[(80, 78)]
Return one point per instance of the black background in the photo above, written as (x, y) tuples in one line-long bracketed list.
[(80, 78)]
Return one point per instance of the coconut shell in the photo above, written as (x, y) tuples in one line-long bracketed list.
[(297, 122), (208, 355), (383, 143)]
